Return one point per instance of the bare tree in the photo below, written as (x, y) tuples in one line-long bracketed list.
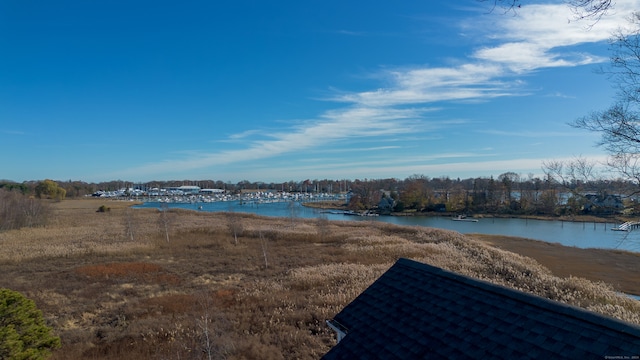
[(129, 221), (582, 9), (293, 212), (322, 227), (234, 224), (590, 9), (211, 327), (204, 326), (17, 211), (165, 220), (263, 245), (619, 125), (571, 173), (578, 177), (508, 179)]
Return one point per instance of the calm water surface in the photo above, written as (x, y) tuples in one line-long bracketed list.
[(582, 235)]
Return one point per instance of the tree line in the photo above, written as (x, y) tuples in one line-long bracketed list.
[(509, 193), (560, 192), (24, 205)]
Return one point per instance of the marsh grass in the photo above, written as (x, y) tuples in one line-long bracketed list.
[(208, 294)]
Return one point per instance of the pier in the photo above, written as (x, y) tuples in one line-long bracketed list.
[(628, 226)]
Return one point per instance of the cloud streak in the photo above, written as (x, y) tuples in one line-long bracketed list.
[(455, 166), (539, 37), (12, 132), (431, 85), (333, 126), (531, 37), (531, 134)]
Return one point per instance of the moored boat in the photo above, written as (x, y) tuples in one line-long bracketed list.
[(464, 218)]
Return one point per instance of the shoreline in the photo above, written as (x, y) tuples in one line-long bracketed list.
[(619, 268), (332, 205)]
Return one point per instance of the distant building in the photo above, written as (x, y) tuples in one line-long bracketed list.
[(385, 205), (603, 203), (185, 190), (211, 191)]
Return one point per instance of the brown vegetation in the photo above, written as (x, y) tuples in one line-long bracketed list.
[(619, 268), (17, 211), (204, 294)]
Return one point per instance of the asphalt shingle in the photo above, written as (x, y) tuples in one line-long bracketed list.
[(416, 310)]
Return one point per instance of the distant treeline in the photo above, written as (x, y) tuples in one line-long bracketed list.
[(509, 193)]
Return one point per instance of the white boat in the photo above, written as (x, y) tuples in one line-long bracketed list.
[(464, 218)]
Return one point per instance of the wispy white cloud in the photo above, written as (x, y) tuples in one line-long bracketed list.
[(335, 125), (351, 32), (357, 149), (455, 166), (560, 95), (245, 134), (523, 57), (532, 134), (535, 38), (539, 37), (12, 132), (430, 85)]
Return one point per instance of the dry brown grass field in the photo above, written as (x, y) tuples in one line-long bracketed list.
[(113, 287)]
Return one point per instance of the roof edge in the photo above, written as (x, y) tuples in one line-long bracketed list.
[(531, 299)]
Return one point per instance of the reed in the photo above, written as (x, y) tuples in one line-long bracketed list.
[(207, 292)]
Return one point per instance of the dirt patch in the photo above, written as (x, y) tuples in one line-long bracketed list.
[(172, 304), (129, 270), (92, 204), (619, 268), (118, 269)]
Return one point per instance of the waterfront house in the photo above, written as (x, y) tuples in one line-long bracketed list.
[(417, 311), (386, 205), (603, 203)]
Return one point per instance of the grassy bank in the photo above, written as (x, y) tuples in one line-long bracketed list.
[(113, 287)]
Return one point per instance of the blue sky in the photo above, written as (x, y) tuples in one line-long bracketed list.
[(292, 90)]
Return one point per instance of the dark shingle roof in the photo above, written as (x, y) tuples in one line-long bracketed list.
[(419, 311)]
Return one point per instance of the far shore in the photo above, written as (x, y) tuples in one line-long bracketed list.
[(339, 205)]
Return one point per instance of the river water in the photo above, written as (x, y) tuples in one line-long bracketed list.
[(578, 234)]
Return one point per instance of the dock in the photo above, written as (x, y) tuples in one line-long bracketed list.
[(628, 226)]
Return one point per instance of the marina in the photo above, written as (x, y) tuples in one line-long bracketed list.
[(193, 195)]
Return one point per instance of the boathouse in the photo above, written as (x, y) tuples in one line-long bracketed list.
[(417, 311)]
